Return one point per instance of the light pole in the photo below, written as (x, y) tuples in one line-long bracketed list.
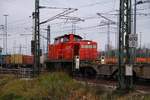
[(2, 27), (1, 56), (135, 3), (6, 30)]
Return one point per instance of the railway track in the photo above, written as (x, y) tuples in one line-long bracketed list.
[(139, 86)]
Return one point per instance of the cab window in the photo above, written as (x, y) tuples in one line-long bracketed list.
[(57, 41), (61, 40), (65, 39), (77, 38)]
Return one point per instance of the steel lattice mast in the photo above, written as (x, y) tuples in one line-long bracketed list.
[(124, 50), (37, 49)]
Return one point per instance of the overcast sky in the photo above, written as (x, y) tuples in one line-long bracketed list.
[(20, 21)]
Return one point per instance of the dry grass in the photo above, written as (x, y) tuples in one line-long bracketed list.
[(54, 86)]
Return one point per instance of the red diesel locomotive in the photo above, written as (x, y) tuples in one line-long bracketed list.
[(69, 46)]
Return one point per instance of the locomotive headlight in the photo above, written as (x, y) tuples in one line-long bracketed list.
[(88, 42)]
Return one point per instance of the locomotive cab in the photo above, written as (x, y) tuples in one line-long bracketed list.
[(68, 46)]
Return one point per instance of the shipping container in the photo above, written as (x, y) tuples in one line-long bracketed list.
[(26, 59), (7, 59), (21, 59), (141, 60), (16, 59), (111, 60)]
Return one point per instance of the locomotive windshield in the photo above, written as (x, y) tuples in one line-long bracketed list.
[(67, 38), (61, 39), (77, 38)]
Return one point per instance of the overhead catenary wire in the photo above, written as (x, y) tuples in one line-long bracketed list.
[(84, 6), (141, 14), (86, 18)]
